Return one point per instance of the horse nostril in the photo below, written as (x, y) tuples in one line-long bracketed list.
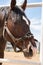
[(30, 52)]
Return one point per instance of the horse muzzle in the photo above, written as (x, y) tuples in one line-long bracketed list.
[(30, 51)]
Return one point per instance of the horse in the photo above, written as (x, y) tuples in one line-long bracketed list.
[(15, 28)]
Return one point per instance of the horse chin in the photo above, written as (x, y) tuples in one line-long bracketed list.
[(28, 55)]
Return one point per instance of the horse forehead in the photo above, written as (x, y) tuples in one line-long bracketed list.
[(14, 14), (18, 13), (18, 16), (18, 10)]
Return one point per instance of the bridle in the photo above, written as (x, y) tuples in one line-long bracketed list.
[(5, 28), (28, 35), (11, 35)]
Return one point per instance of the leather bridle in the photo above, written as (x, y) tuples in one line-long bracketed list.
[(27, 35), (11, 35), (5, 28)]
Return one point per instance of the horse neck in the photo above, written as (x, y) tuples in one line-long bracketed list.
[(1, 23), (1, 27)]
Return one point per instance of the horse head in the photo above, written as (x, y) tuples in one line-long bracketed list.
[(17, 28)]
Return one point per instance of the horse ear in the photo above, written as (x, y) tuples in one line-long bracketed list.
[(24, 5), (13, 3)]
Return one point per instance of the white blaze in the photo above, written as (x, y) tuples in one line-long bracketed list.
[(26, 20)]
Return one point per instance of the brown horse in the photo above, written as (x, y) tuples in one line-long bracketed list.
[(15, 28)]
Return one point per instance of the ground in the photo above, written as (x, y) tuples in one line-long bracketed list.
[(19, 56)]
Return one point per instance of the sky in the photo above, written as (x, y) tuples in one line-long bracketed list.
[(33, 14)]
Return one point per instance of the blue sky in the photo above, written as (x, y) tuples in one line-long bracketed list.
[(33, 14)]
